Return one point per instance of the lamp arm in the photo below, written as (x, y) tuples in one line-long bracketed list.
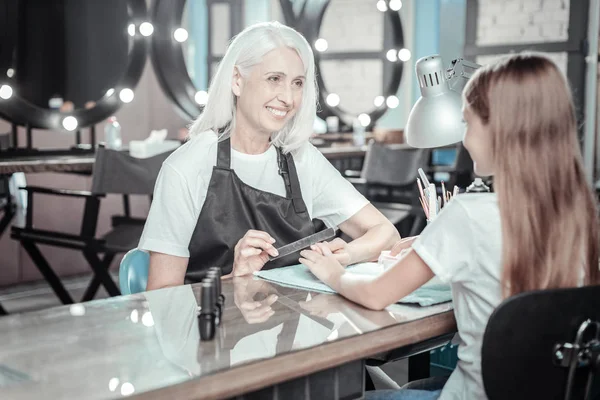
[(459, 72)]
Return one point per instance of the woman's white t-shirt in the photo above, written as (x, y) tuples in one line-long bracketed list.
[(183, 181), (463, 246)]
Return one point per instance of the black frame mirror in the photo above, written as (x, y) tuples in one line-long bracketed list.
[(169, 62), (19, 111)]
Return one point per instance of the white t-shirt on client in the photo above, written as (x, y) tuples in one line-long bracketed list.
[(183, 182), (464, 248)]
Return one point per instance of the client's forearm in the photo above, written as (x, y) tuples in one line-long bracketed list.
[(368, 247)]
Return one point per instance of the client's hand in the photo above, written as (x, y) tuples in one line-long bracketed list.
[(402, 244), (245, 290), (322, 263), (338, 247)]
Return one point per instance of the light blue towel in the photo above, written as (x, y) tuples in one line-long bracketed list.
[(299, 276)]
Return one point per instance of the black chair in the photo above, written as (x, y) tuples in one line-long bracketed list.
[(459, 173), (7, 206), (543, 345), (388, 179), (115, 172)]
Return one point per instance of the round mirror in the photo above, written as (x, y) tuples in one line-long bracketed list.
[(68, 64), (190, 40), (359, 48)]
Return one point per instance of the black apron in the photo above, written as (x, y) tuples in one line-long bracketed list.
[(232, 208)]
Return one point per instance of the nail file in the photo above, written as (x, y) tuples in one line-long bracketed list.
[(304, 243)]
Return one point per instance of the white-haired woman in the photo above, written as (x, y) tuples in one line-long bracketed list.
[(248, 180)]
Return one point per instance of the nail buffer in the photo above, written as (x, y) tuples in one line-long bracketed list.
[(304, 243)]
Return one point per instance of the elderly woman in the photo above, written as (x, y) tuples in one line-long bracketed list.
[(248, 180)]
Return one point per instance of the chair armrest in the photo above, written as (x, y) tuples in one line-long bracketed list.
[(60, 192)]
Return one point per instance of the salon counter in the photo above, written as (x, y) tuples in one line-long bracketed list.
[(84, 163), (47, 163), (149, 343)]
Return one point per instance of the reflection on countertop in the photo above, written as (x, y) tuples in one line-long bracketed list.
[(132, 344)]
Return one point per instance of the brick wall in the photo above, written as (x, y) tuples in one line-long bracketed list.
[(522, 22)]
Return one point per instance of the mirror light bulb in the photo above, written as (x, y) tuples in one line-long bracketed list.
[(392, 102), (5, 92), (70, 123), (180, 35), (333, 99), (201, 97), (126, 95), (146, 29), (395, 5), (404, 54), (321, 44), (364, 119)]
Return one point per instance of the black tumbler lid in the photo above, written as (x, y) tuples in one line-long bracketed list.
[(217, 280), (208, 296), (216, 270)]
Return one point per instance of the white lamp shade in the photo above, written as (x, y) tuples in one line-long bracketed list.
[(435, 121), (436, 118)]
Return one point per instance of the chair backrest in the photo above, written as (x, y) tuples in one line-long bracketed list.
[(118, 172), (519, 357), (393, 164), (133, 272)]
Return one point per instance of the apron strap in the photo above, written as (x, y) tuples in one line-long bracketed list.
[(224, 154), (287, 169)]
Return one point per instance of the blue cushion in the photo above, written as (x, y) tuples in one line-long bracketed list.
[(133, 271)]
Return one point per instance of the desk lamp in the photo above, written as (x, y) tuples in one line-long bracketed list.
[(436, 118)]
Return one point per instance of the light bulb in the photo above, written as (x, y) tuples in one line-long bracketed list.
[(379, 100), (126, 95), (392, 102), (395, 5), (364, 119), (391, 55), (180, 34), (382, 6), (146, 29), (201, 97), (131, 30), (5, 92), (321, 44), (127, 389), (333, 99), (404, 54), (70, 123)]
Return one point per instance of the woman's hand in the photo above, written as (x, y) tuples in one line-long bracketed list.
[(323, 264), (245, 290), (401, 245), (338, 247), (252, 252)]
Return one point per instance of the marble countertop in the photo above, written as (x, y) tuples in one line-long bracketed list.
[(149, 342)]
